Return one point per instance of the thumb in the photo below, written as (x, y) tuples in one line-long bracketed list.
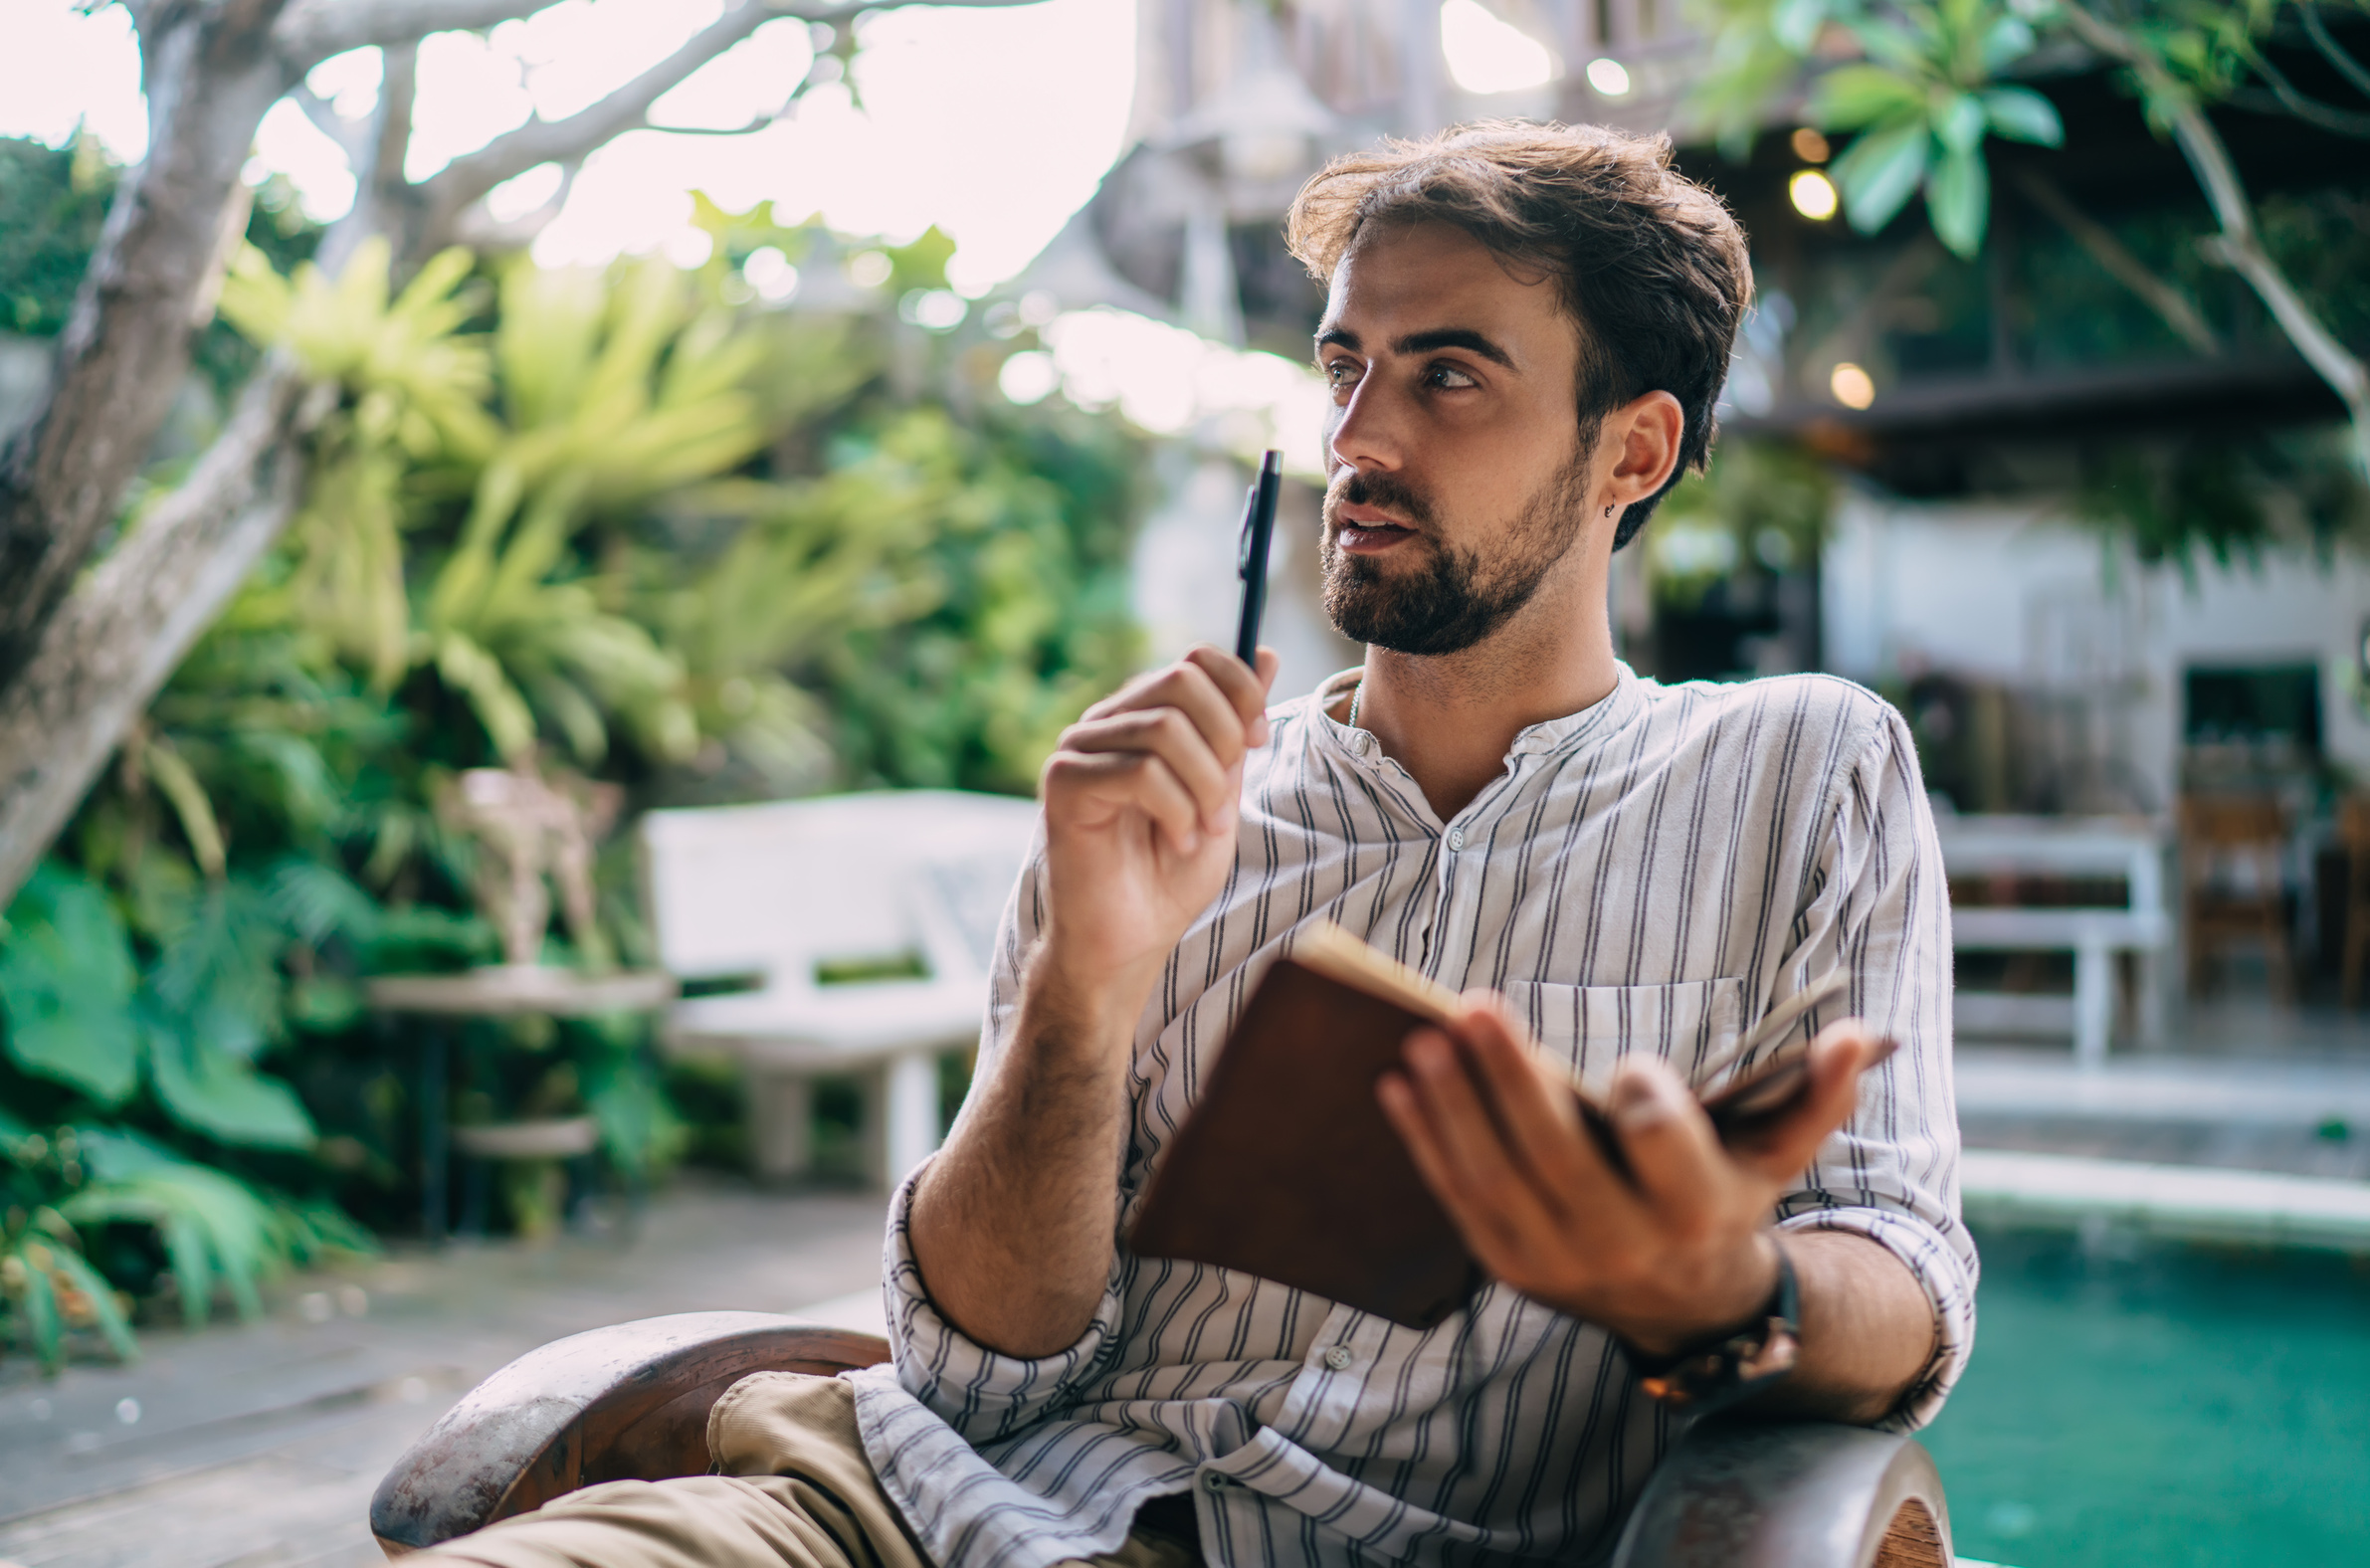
[(1836, 1060), (1269, 663)]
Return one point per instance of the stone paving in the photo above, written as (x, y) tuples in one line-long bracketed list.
[(258, 1445)]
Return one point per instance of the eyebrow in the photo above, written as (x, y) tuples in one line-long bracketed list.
[(1425, 342)]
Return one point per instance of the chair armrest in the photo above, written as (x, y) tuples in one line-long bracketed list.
[(1739, 1494), (628, 1402)]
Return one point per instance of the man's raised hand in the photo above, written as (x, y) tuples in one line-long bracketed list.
[(1141, 801), (1674, 1252)]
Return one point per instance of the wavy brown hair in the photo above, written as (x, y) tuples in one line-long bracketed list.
[(1650, 264)]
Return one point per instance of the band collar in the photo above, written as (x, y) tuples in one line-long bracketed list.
[(1592, 724)]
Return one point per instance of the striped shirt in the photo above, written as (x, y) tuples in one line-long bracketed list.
[(1651, 874)]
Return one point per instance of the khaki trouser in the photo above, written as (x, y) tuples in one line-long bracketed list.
[(796, 1492)]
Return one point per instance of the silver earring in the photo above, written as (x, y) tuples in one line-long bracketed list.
[(1608, 511)]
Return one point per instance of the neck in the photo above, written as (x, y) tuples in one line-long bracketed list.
[(1451, 718)]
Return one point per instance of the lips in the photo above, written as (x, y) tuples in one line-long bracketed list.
[(1365, 538)]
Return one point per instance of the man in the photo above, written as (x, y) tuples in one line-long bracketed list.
[(1626, 876)]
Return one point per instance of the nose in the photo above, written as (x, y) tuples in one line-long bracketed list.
[(1365, 433)]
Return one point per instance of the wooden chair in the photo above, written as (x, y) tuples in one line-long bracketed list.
[(2353, 832), (630, 1402), (2220, 834)]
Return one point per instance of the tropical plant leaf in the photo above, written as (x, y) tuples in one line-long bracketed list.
[(218, 979), (1958, 200), (106, 1316), (214, 1226), (36, 1301), (1796, 23), (217, 1095), (1879, 173), (2022, 114), (66, 986), (318, 901), (1959, 126), (1852, 97), (2007, 41)]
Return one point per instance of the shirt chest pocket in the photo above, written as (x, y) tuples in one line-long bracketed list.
[(1588, 1028)]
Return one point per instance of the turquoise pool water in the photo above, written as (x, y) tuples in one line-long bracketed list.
[(2148, 1403)]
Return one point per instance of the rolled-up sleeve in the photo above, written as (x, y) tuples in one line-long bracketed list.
[(982, 1394), (1878, 907)]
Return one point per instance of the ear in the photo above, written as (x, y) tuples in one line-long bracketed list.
[(1643, 435)]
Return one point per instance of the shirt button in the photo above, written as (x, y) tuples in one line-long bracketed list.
[(1339, 1357), (1212, 1482), (1455, 838)]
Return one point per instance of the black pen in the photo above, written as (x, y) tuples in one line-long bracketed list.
[(1259, 528)]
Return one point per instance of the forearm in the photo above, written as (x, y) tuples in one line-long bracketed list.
[(1013, 1223), (1868, 1330)]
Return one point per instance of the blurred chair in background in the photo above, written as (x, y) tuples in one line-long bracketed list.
[(864, 922), (2353, 833), (2231, 884)]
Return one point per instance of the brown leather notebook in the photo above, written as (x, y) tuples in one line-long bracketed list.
[(1288, 1169)]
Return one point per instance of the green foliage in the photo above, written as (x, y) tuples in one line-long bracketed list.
[(53, 201), (60, 1191), (1761, 505), (700, 548), (1922, 99), (2228, 500), (81, 1012), (1924, 84)]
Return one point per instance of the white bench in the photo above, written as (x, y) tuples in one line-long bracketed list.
[(2062, 847), (777, 890)]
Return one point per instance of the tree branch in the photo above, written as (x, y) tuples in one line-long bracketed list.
[(2284, 96), (330, 124), (2168, 301), (125, 347), (310, 31), (2330, 49), (129, 621), (540, 142), (568, 141), (2238, 246)]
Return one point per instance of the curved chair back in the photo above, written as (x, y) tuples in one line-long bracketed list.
[(628, 1402), (1742, 1493)]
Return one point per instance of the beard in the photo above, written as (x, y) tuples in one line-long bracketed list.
[(1456, 599)]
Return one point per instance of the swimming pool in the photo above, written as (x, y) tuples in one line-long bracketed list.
[(2144, 1402)]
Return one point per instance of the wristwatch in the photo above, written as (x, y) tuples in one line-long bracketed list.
[(1718, 1373)]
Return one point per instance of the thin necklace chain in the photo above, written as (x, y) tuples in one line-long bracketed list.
[(1355, 692)]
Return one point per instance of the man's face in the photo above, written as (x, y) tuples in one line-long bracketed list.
[(1459, 476)]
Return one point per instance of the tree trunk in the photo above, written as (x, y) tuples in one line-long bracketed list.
[(124, 628), (211, 74)]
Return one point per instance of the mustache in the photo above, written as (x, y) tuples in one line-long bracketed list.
[(1391, 494)]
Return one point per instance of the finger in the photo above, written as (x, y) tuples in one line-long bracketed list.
[(1121, 781), (1535, 1107), (1785, 1150), (1166, 733), (1482, 1189), (1495, 1236), (1244, 688), (1674, 1154), (1188, 687)]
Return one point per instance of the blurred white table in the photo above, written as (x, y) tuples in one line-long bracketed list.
[(2069, 847)]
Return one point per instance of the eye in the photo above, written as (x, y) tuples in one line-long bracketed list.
[(1448, 377), (1341, 373)]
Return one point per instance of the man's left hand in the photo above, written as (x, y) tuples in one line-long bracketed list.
[(1677, 1251)]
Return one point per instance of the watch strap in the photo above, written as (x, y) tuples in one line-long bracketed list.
[(1716, 1373)]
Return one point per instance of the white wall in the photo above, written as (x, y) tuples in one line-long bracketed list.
[(2016, 592)]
